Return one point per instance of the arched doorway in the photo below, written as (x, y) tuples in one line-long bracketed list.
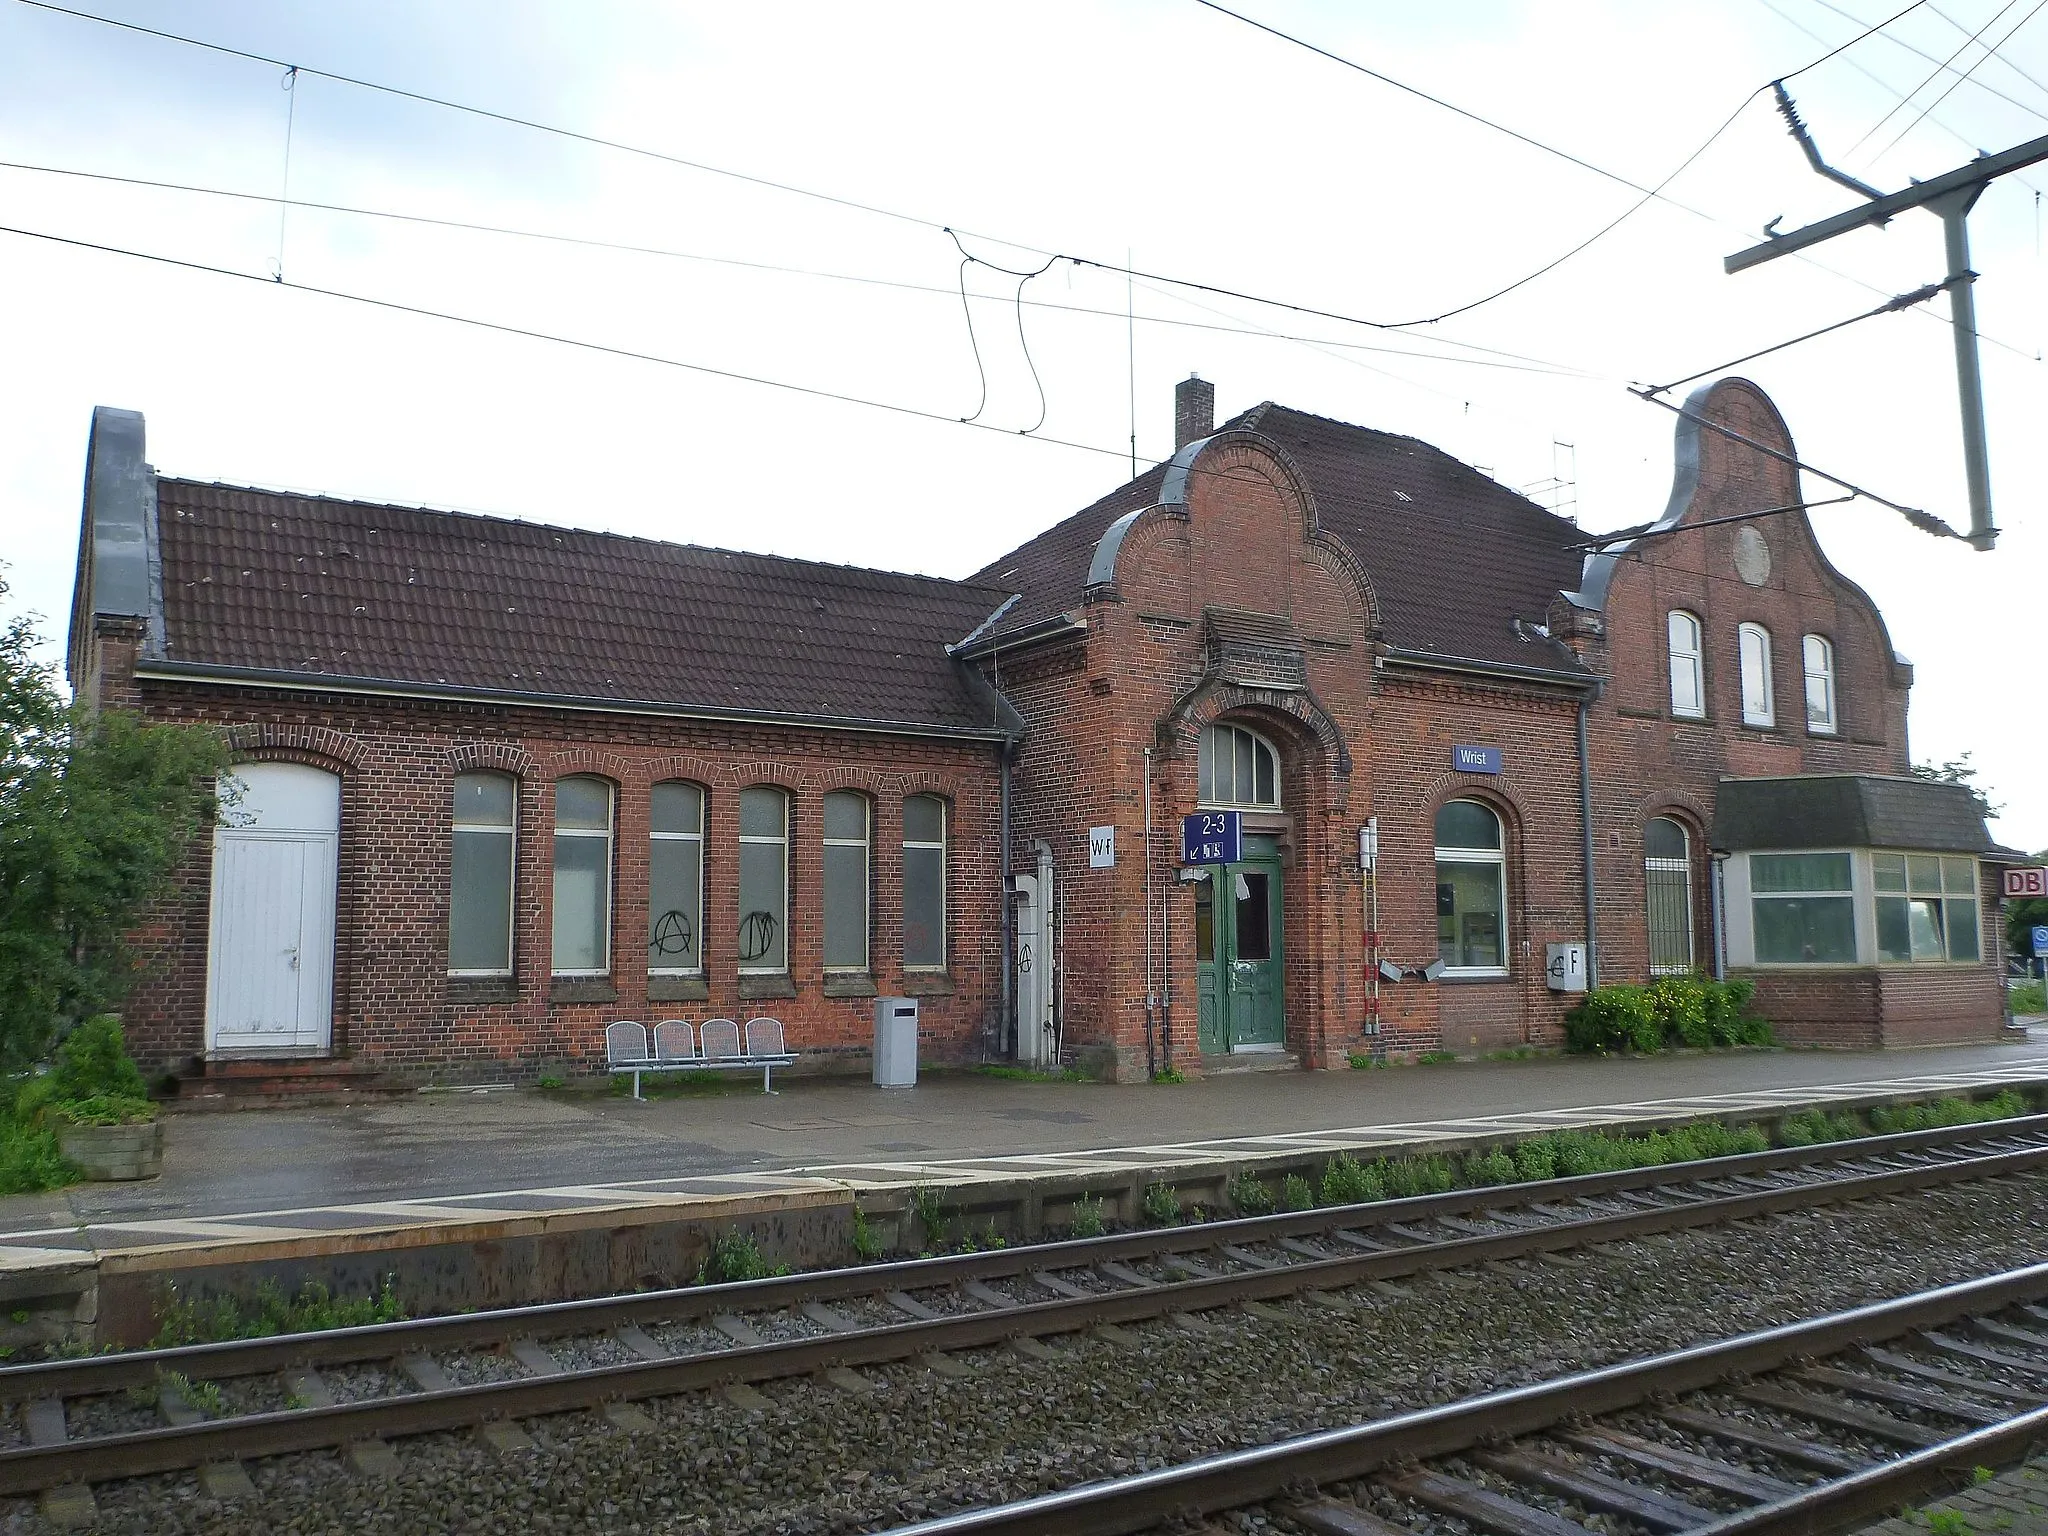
[(1239, 912), (270, 944)]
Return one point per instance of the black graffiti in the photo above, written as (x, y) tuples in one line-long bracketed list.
[(757, 935), (673, 935)]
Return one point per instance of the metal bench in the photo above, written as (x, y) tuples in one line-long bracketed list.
[(675, 1048)]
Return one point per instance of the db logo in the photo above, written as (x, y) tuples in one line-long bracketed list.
[(2026, 882)]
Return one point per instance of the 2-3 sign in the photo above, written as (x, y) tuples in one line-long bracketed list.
[(1212, 837)]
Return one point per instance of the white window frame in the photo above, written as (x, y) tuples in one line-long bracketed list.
[(510, 830), (1972, 895), (1693, 659), (610, 829), (1498, 858), (1759, 704), (1817, 658), (697, 837), (1205, 758), (745, 838), (945, 880), (1682, 868), (866, 844), (1857, 895)]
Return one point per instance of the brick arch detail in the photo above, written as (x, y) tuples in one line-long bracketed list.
[(317, 746), (1498, 792), (1679, 807), (1179, 731), (691, 767), (591, 760), (495, 756)]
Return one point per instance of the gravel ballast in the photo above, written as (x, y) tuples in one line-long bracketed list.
[(824, 1459)]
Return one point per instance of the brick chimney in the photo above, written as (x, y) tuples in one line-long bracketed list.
[(1194, 410)]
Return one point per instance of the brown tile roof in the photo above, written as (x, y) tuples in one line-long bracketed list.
[(264, 580), (1454, 556)]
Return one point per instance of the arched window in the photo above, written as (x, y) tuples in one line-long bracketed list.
[(764, 881), (1667, 876), (1236, 767), (1817, 653), (846, 881), (924, 883), (583, 877), (1757, 705), (1688, 675), (675, 880), (1471, 890), (480, 878)]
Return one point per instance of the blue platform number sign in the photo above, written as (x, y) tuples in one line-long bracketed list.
[(1476, 759), (2040, 939), (1212, 837)]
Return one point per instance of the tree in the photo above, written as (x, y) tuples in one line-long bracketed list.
[(96, 808), (1959, 770), (2021, 917)]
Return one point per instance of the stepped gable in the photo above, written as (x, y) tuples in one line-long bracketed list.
[(341, 589), (1454, 556)]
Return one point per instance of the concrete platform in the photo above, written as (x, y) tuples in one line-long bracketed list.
[(606, 1193)]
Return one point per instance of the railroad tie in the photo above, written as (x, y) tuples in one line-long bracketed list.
[(504, 1436), (1031, 1349), (988, 1296), (1906, 1365), (1250, 1260), (946, 1365), (742, 1396), (826, 1318), (1870, 1421), (629, 1418), (738, 1329), (69, 1506), (1688, 1466), (1123, 1274), (849, 1380), (1121, 1338), (1963, 1349), (1051, 1282), (1598, 1490), (1481, 1507), (373, 1458), (226, 1480), (910, 1306), (426, 1373), (2005, 1333), (1930, 1398), (1758, 1437), (1336, 1517), (306, 1389), (640, 1342), (534, 1358)]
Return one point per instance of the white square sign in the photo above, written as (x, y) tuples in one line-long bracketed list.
[(1102, 847)]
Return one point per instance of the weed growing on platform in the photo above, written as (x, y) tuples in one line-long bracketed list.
[(2029, 997), (1085, 1217), (1346, 1183), (1029, 1074), (1365, 1061), (1247, 1196), (930, 1214), (1296, 1194), (1942, 1112), (1436, 1058), (867, 1242), (1169, 1075), (735, 1256), (313, 1309), (1161, 1204)]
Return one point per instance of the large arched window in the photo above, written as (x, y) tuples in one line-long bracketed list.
[(924, 883), (583, 876), (846, 880), (1471, 890), (1667, 877), (1758, 706), (675, 880), (480, 876), (764, 881), (1817, 658), (1688, 675), (1237, 767)]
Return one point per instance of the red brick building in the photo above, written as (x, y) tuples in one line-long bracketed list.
[(503, 782)]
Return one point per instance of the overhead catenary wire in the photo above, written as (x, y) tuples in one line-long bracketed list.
[(1891, 306), (2008, 63), (1990, 51), (1918, 52), (1868, 31), (1905, 100)]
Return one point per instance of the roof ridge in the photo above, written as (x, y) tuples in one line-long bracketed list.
[(504, 519)]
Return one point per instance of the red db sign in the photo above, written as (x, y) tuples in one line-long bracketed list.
[(2026, 882)]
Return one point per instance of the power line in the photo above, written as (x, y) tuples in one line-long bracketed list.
[(1906, 100), (1919, 295), (2008, 63), (1990, 51), (1845, 47), (1495, 357), (1917, 52)]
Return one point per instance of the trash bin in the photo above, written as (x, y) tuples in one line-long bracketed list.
[(896, 1042)]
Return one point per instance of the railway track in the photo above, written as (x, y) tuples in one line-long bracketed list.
[(103, 1418), (1795, 1431)]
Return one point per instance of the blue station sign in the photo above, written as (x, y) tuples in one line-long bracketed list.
[(1212, 837), (1476, 759)]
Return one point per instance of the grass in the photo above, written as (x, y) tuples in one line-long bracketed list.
[(1168, 1075), (1161, 1204), (1365, 1061), (1086, 1217), (312, 1308), (930, 1212), (735, 1256), (1010, 1074), (1436, 1058), (30, 1159), (867, 1242), (1247, 1195), (2029, 997)]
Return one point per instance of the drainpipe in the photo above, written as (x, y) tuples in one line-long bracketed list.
[(1007, 1021), (1586, 836), (1151, 994), (1714, 896)]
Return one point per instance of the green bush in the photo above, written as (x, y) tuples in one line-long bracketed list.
[(1296, 1194), (1345, 1182), (735, 1256), (1673, 1010), (1484, 1169), (1536, 1159), (2027, 997), (1085, 1217), (1161, 1204), (271, 1312), (30, 1159), (93, 1081), (1247, 1196)]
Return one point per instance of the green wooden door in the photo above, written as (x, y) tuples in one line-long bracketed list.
[(1239, 955)]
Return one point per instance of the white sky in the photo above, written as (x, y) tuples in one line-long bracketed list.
[(1204, 148)]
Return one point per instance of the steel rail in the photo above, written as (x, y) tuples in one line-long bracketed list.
[(385, 1341), (1237, 1478), (137, 1453)]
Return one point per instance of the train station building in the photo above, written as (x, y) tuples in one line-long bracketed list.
[(501, 783)]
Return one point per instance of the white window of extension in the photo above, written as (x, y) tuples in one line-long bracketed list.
[(1926, 908), (1471, 891), (1667, 878), (480, 878), (1688, 665), (1758, 708), (764, 881), (1237, 767), (1817, 654), (847, 838), (924, 883), (675, 880), (583, 877), (1803, 908)]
